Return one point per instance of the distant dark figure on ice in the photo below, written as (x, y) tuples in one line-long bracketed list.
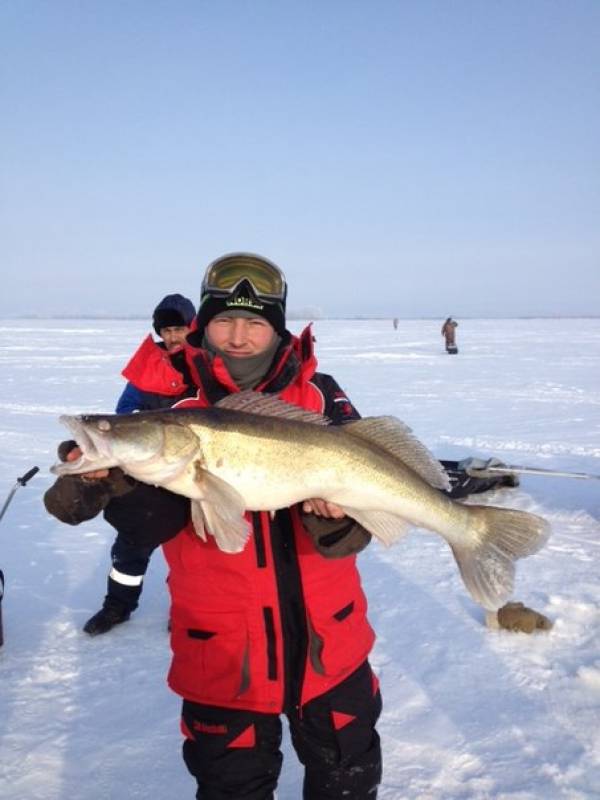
[(395, 323), (449, 333)]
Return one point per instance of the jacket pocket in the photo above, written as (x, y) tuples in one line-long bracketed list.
[(340, 637), (210, 656)]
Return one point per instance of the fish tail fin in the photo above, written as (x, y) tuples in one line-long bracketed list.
[(502, 536)]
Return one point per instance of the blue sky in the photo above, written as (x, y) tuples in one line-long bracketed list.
[(395, 158)]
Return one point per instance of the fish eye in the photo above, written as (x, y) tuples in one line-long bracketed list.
[(103, 425)]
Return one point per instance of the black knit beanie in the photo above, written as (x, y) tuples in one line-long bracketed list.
[(243, 299), (173, 311)]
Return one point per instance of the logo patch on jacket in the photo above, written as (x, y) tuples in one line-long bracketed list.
[(207, 727)]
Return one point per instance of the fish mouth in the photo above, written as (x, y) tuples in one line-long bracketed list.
[(93, 455), (81, 436)]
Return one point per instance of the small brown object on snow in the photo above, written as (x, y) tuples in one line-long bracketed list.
[(518, 618)]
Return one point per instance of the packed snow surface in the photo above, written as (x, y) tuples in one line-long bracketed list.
[(469, 713)]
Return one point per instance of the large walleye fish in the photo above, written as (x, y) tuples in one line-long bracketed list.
[(253, 452)]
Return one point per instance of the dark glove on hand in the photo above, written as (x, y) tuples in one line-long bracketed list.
[(336, 538), (64, 448), (72, 499)]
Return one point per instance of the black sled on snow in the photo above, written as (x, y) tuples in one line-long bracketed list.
[(464, 480)]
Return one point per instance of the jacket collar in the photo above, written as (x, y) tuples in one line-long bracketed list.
[(293, 361)]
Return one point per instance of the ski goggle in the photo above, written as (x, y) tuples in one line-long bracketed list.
[(225, 274)]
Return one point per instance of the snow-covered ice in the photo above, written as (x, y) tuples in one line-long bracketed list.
[(469, 713)]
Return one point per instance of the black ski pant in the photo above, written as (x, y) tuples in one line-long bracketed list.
[(144, 518), (235, 755), (129, 564)]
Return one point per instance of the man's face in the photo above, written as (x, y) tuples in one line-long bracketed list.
[(174, 336), (240, 337)]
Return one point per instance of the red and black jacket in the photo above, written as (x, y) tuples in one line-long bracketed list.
[(278, 624), (156, 378)]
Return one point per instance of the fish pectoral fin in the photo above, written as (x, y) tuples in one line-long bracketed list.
[(198, 520), (223, 510), (386, 527)]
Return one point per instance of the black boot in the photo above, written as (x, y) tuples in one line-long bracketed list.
[(105, 619)]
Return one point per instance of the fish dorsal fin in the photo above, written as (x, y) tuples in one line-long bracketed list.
[(269, 405), (397, 439)]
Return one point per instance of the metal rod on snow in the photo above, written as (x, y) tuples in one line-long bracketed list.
[(22, 481), (1, 596), (508, 468)]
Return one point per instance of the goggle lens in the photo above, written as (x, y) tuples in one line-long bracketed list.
[(225, 274)]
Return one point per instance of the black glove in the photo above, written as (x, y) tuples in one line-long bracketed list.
[(336, 538), (72, 500), (64, 448)]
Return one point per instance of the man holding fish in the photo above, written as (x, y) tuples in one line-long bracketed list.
[(286, 484)]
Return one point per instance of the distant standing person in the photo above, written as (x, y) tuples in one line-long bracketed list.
[(395, 323), (449, 333)]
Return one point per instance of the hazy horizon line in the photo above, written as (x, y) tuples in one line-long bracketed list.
[(297, 316)]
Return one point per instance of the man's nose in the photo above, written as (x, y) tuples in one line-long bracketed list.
[(238, 331), (174, 341)]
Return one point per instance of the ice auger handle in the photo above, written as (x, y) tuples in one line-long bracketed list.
[(28, 476)]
